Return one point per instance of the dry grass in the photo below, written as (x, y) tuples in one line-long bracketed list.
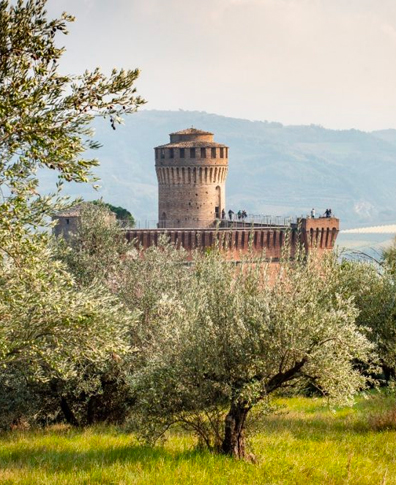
[(382, 415)]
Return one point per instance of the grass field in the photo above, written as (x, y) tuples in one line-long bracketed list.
[(303, 443)]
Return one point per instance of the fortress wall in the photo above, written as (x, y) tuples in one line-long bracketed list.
[(321, 233)]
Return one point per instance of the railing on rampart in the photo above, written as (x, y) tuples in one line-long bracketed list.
[(252, 220), (241, 235)]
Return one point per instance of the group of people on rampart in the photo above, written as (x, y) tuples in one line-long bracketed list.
[(241, 215), (327, 213)]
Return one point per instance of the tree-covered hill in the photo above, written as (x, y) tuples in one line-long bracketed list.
[(273, 169)]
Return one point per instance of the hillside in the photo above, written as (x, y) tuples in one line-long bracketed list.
[(274, 169)]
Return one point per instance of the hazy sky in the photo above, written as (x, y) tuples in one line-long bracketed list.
[(328, 62)]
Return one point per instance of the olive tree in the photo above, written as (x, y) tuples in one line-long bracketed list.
[(372, 287), (238, 334), (98, 252), (49, 329), (45, 117), (54, 335), (97, 249)]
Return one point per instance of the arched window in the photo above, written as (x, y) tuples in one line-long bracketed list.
[(218, 203), (162, 222)]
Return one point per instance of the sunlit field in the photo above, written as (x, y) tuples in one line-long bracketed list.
[(303, 442)]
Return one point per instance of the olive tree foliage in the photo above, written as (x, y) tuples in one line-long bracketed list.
[(69, 347), (238, 334), (99, 253), (53, 336), (96, 251), (389, 257), (95, 254), (45, 116), (149, 276), (372, 287)]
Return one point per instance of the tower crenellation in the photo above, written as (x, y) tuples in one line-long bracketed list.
[(191, 171)]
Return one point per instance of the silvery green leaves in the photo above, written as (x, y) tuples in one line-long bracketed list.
[(240, 333), (45, 116)]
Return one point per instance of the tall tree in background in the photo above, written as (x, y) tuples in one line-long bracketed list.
[(124, 217), (45, 116)]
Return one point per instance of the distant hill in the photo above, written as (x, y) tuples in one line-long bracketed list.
[(273, 169)]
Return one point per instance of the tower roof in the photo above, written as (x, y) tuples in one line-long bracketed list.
[(191, 137), (191, 131), (74, 211)]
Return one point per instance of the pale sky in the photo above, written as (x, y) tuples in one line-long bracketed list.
[(327, 62)]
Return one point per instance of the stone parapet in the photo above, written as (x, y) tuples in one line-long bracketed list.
[(320, 233)]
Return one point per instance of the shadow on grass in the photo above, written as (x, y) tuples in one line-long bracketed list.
[(319, 426), (43, 457)]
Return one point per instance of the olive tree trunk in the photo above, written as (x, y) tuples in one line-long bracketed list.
[(234, 443)]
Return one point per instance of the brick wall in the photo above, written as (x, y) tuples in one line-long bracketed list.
[(321, 233), (191, 173)]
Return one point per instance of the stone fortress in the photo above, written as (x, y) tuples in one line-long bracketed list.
[(191, 172)]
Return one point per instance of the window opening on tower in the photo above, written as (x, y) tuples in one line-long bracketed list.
[(213, 152), (192, 152), (203, 152), (182, 153)]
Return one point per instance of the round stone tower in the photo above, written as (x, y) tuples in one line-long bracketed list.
[(191, 172)]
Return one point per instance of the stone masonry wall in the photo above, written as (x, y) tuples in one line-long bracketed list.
[(65, 225)]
